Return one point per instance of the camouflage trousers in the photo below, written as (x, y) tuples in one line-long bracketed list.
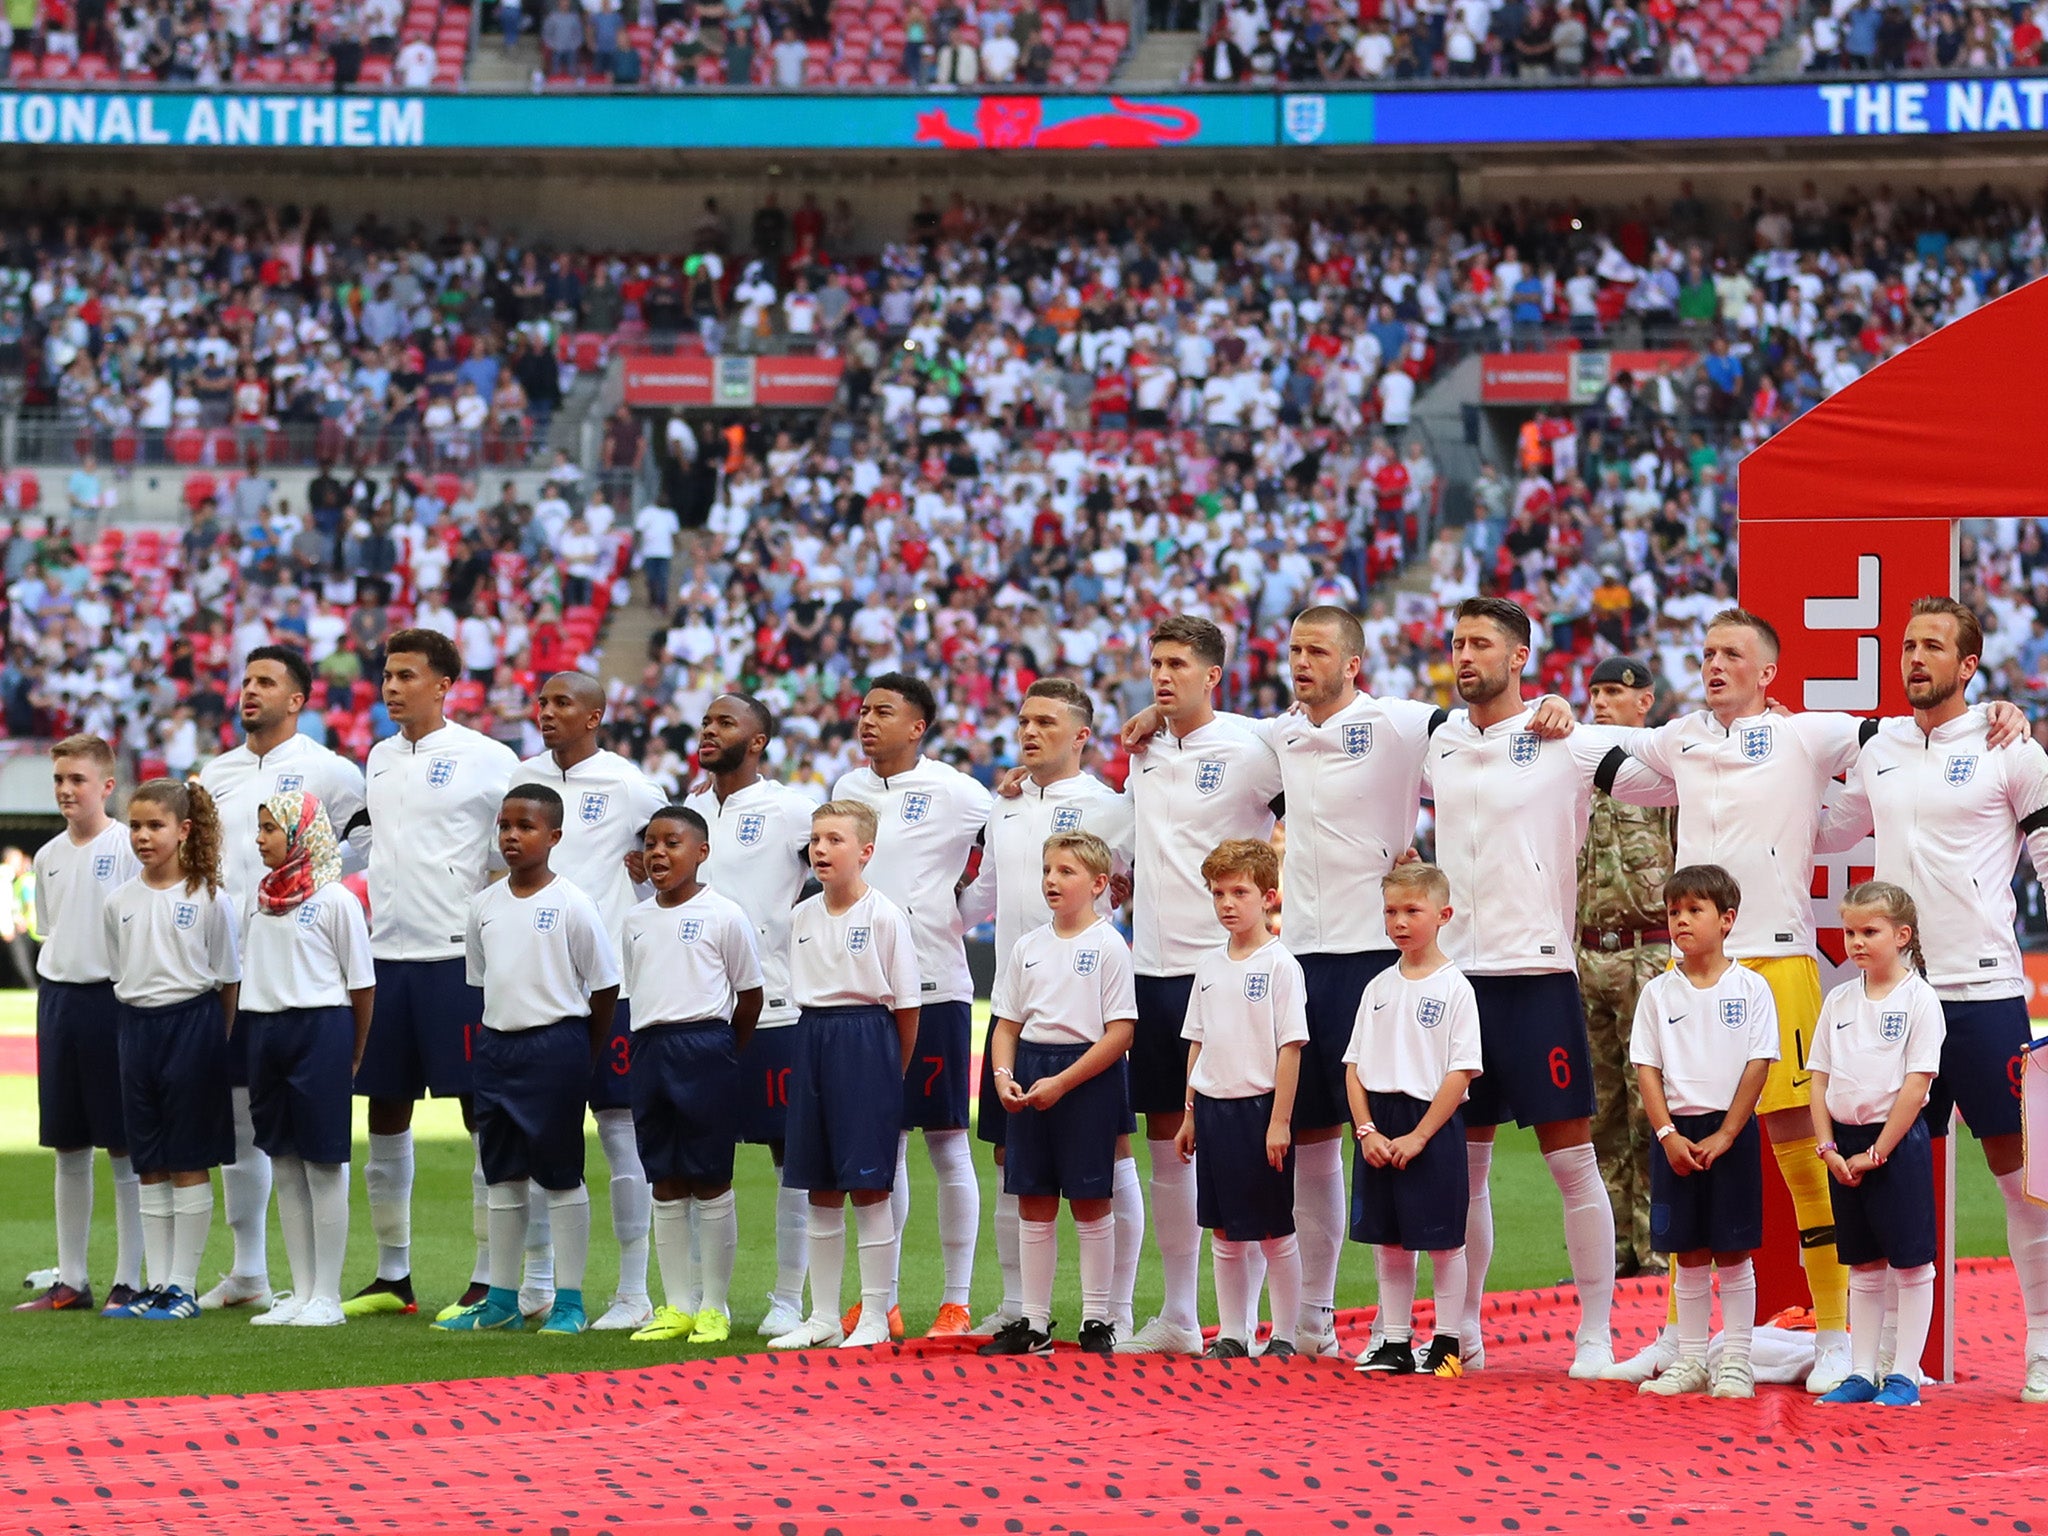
[(1610, 982)]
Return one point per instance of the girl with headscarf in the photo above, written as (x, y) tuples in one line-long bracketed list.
[(307, 988)]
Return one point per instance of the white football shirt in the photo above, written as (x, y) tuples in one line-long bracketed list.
[(1702, 1039), (1949, 814), (169, 946), (434, 818), (1010, 885), (687, 963), (538, 958), (864, 957), (73, 884), (760, 857), (310, 957), (1749, 800), (240, 782), (1511, 814), (1066, 991), (1242, 1012), (1866, 1048), (1410, 1035), (1189, 793), (929, 819), (606, 805)]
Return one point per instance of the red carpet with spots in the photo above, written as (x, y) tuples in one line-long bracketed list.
[(934, 1438)]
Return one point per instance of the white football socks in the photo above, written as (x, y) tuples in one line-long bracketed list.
[(1233, 1287), (1319, 1224), (1039, 1255), (327, 1185), (1009, 1254), (387, 1178), (1478, 1242), (480, 1219), (191, 1215), (74, 1216), (158, 1229), (2026, 1237), (959, 1203), (718, 1230), (899, 1201), (245, 1191), (1447, 1279), (569, 1211), (1127, 1208), (1693, 1286), (1866, 1320), (1178, 1235), (828, 1261), (1738, 1309), (506, 1216), (1098, 1267), (632, 1199), (876, 1230), (792, 1256), (1283, 1278), (1255, 1286), (1916, 1316), (679, 1277), (538, 1273), (1395, 1270), (1588, 1237), (295, 1220), (127, 1222)]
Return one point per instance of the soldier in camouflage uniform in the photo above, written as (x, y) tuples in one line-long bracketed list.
[(1622, 944)]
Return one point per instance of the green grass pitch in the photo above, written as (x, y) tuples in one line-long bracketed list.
[(70, 1358)]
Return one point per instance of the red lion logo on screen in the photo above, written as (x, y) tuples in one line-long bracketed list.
[(1018, 122)]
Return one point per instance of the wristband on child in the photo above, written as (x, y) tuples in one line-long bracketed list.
[(1005, 1072), (1824, 1149), (1666, 1130), (1367, 1129)]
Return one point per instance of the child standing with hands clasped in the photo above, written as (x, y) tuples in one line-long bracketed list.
[(171, 936), (1065, 1007), (1413, 1054), (1875, 1054), (1246, 1024), (1704, 1038)]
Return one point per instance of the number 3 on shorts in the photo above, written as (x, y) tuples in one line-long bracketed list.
[(1560, 1067)]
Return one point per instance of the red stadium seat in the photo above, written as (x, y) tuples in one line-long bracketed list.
[(187, 446), (198, 488)]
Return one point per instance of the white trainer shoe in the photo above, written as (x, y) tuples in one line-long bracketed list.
[(1686, 1376), (1319, 1343), (867, 1333), (1159, 1337), (996, 1322), (284, 1309), (782, 1318), (1591, 1357), (813, 1333), (1737, 1377), (2036, 1389), (1831, 1363), (626, 1314), (320, 1312), (1660, 1354), (236, 1291)]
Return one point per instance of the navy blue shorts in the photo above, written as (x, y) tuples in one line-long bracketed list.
[(1159, 1057), (1420, 1207), (765, 1067), (423, 1031), (611, 1075), (991, 1120), (1889, 1217), (1982, 1062), (1068, 1150), (241, 1056), (1334, 984), (1238, 1195), (174, 1086), (1532, 1040), (686, 1099), (845, 1101), (78, 1066), (298, 1086), (935, 1086), (1721, 1210), (530, 1090)]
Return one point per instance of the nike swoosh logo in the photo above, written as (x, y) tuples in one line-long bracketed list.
[(1845, 1023), (869, 1173), (1205, 985), (1029, 963), (1676, 1019), (1376, 1007), (1150, 770), (803, 941), (1442, 755), (1883, 771), (1295, 741), (128, 919), (1687, 747), (1011, 815), (380, 773)]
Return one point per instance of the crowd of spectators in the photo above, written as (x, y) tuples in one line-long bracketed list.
[(1058, 423), (1899, 35)]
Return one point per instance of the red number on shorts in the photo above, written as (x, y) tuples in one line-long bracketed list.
[(1560, 1067), (2015, 1073), (622, 1056), (778, 1088), (938, 1065), (469, 1042)]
